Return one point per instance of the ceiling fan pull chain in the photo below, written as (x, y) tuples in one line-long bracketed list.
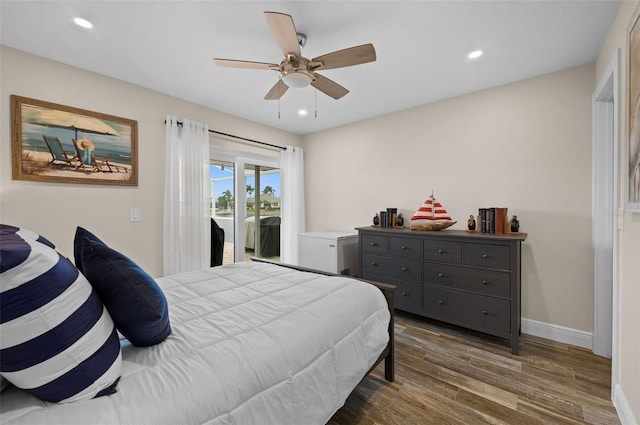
[(315, 102), (278, 108)]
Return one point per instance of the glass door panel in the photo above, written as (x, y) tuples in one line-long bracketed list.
[(262, 218), (223, 207)]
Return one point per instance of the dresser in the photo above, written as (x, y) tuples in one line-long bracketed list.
[(466, 279)]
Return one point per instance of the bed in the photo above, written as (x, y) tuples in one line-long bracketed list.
[(250, 343)]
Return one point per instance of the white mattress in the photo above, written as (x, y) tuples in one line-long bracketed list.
[(252, 343)]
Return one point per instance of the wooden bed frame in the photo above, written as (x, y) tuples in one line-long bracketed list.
[(387, 290)]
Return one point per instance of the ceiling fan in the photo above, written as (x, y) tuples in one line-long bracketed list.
[(297, 71)]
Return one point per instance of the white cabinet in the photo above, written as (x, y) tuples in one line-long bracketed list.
[(331, 252)]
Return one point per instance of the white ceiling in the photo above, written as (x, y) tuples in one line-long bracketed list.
[(421, 48)]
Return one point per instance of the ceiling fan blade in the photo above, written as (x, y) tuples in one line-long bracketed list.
[(284, 31), (347, 57), (329, 87), (277, 91), (232, 63)]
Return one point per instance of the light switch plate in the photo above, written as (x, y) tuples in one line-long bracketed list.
[(134, 214)]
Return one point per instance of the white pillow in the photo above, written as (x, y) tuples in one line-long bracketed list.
[(58, 341)]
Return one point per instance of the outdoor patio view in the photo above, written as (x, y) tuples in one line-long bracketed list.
[(262, 213)]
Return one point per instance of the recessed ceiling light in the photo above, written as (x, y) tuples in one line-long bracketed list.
[(83, 23), (476, 54), (302, 112)]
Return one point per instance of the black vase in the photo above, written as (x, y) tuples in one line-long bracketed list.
[(376, 220), (515, 224), (400, 220), (471, 223)]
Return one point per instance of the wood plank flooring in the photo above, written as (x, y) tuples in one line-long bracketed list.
[(447, 375)]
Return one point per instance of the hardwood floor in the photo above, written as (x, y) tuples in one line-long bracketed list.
[(446, 375)]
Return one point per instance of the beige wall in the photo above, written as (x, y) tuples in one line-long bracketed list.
[(525, 146), (55, 209), (629, 315)]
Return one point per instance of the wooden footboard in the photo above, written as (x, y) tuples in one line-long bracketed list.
[(388, 353), (387, 290)]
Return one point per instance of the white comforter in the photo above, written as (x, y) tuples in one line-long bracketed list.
[(252, 343)]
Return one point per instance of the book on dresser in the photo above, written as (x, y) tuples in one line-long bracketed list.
[(492, 220), (467, 279)]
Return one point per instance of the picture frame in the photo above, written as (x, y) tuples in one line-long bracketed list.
[(58, 143), (633, 60)]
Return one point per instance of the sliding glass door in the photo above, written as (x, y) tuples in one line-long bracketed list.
[(246, 199)]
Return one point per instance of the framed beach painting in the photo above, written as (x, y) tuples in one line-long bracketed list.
[(57, 143), (634, 112)]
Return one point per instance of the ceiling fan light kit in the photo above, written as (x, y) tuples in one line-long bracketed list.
[(297, 71), (297, 79)]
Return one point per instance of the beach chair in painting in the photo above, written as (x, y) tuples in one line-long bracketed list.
[(57, 151), (84, 150)]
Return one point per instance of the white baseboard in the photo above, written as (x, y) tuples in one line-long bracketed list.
[(558, 333), (622, 407)]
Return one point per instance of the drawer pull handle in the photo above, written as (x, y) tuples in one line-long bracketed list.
[(404, 269), (440, 275), (404, 294), (485, 282), (404, 247), (440, 251), (485, 312), (374, 264), (374, 244), (440, 302), (485, 256)]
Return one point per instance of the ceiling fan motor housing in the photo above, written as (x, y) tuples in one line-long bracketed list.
[(296, 73)]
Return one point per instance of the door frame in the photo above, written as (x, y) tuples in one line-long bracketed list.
[(606, 189)]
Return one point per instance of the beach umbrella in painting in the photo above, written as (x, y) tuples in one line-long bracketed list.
[(62, 119)]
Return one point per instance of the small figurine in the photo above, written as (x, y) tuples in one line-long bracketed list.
[(376, 220), (515, 224), (400, 220), (471, 223)]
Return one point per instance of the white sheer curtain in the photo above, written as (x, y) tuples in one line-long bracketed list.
[(293, 210), (187, 215)]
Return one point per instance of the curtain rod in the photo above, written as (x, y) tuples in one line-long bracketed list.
[(241, 138)]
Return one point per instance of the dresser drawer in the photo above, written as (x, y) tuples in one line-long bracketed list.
[(480, 312), (443, 251), (408, 296), (396, 268), (406, 248), (488, 282), (375, 244), (487, 255)]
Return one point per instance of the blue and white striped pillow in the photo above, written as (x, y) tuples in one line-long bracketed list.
[(58, 341), (24, 234)]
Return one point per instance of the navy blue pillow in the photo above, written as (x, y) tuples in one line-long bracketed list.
[(79, 246), (133, 298)]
